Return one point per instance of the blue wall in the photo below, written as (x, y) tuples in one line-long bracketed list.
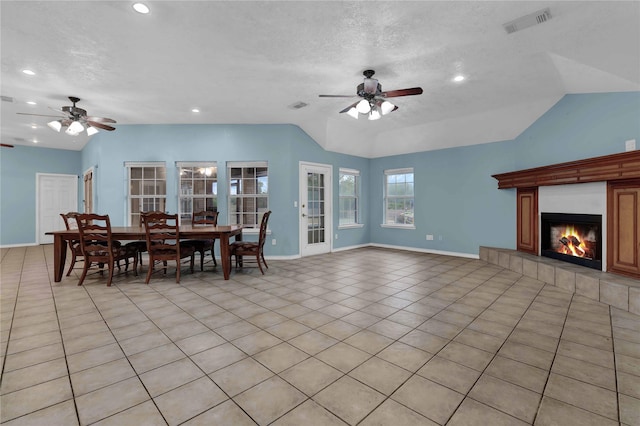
[(282, 146), (18, 168), (456, 197)]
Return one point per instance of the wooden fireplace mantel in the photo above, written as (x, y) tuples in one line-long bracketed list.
[(622, 174), (625, 165)]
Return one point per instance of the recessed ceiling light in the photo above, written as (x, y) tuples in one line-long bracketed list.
[(141, 8), (195, 110), (31, 103), (28, 72), (33, 126), (458, 78), (35, 141)]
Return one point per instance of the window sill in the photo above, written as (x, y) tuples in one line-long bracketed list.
[(386, 225), (355, 225)]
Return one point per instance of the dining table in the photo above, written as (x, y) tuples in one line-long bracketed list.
[(222, 233)]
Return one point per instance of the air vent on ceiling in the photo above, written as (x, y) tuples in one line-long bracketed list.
[(6, 98), (298, 105), (20, 140), (528, 21)]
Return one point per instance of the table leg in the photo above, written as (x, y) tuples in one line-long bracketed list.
[(224, 254), (59, 257)]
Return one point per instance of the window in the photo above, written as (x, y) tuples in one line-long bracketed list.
[(398, 209), (348, 186), (147, 189), (248, 193), (198, 189)]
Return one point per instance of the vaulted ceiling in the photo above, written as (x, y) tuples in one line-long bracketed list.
[(251, 62)]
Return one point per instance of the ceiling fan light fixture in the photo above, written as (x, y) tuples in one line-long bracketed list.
[(353, 112), (363, 107), (75, 128), (386, 107), (55, 125), (374, 114), (92, 130)]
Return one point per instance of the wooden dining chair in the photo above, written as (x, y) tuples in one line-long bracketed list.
[(203, 218), (163, 242), (247, 248), (99, 247), (141, 245), (76, 251)]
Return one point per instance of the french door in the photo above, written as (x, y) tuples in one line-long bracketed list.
[(316, 223)]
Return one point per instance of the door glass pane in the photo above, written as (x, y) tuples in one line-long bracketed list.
[(315, 208)]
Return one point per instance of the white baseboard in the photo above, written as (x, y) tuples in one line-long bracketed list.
[(18, 245), (423, 250), (335, 250)]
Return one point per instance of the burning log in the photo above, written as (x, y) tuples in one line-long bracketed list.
[(572, 244)]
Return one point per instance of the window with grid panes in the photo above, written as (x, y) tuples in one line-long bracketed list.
[(349, 181), (198, 183), (147, 189), (399, 199), (248, 193)]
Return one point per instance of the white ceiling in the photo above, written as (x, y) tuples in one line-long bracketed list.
[(248, 62)]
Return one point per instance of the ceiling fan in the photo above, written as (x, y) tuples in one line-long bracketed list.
[(374, 101), (76, 120)]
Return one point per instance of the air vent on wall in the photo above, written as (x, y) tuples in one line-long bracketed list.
[(528, 21), (6, 98)]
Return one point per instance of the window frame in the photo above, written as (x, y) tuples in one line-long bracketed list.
[(387, 198), (185, 219), (232, 194), (129, 166), (356, 197)]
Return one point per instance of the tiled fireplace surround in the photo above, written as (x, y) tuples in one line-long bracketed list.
[(612, 289)]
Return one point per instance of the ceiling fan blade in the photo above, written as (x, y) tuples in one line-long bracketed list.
[(100, 125), (336, 96), (6, 145), (402, 92), (349, 107), (41, 115), (101, 119)]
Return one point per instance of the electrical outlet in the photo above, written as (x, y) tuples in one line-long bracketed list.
[(429, 237), (273, 242), (440, 237), (630, 145), (336, 236)]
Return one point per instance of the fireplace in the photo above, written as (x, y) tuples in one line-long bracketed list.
[(574, 238)]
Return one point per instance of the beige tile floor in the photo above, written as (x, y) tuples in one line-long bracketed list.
[(369, 336)]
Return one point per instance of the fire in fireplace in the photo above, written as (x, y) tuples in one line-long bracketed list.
[(575, 238)]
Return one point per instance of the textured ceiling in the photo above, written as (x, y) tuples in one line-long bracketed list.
[(249, 62)]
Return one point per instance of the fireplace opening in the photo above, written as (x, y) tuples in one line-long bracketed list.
[(574, 238)]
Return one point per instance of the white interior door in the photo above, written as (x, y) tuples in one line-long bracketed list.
[(55, 194), (315, 209)]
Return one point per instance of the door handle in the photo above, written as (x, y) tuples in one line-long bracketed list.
[(304, 215)]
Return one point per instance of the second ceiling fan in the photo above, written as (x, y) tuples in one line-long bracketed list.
[(75, 120), (374, 101)]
